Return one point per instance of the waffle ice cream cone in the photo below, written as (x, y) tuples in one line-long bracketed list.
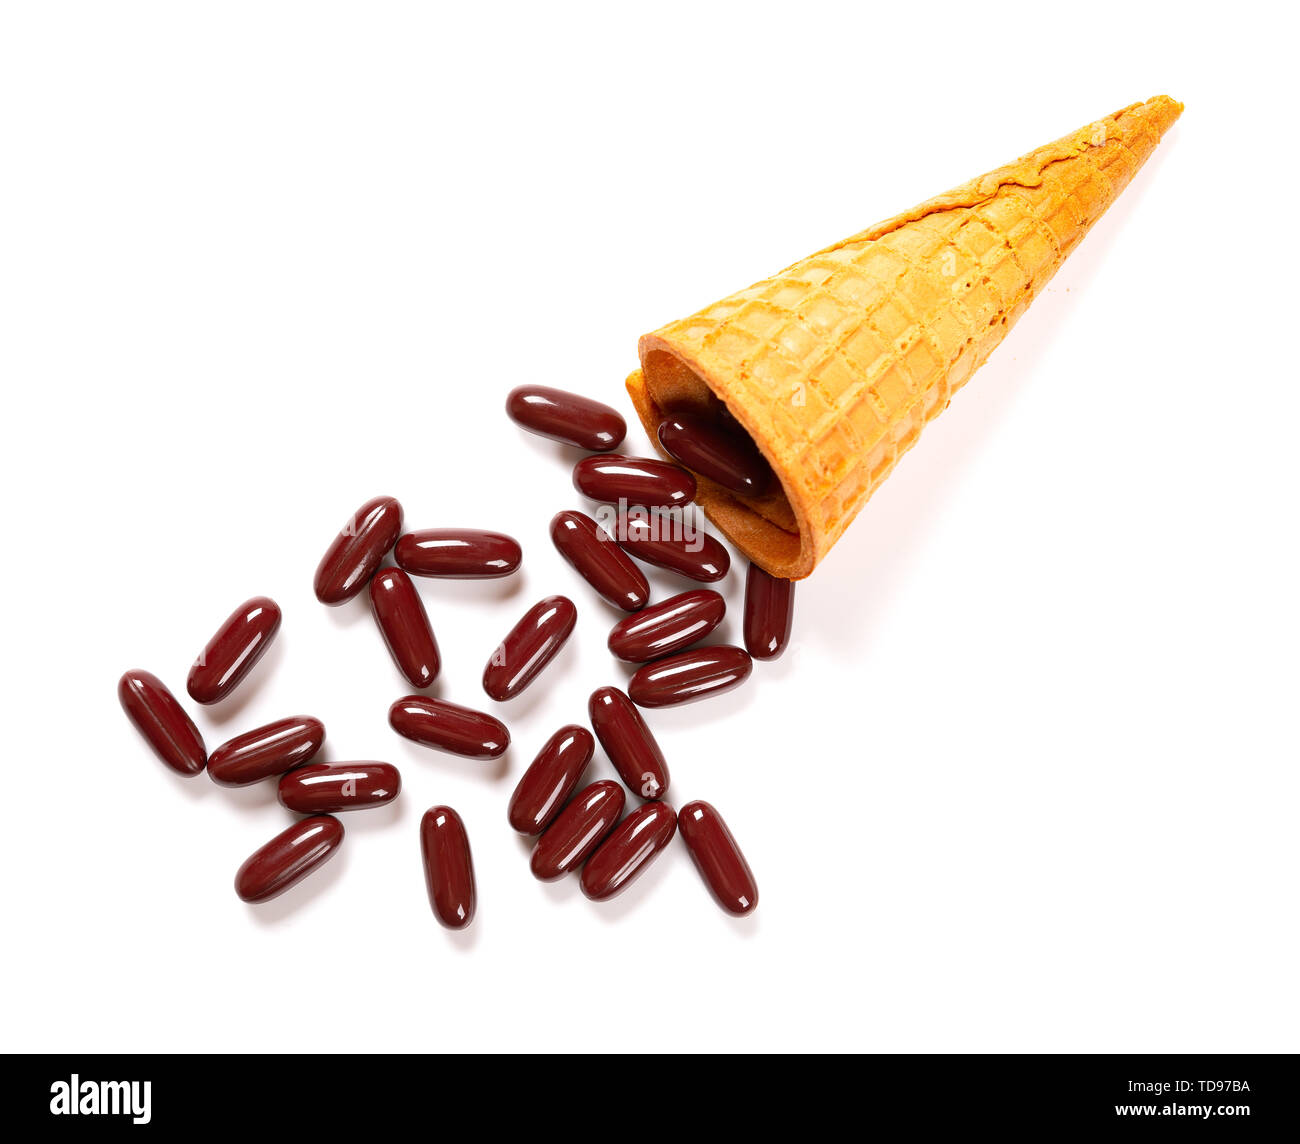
[(834, 365)]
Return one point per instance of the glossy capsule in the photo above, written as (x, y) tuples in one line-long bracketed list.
[(627, 853), (598, 559), (449, 727), (550, 779), (288, 858), (162, 721), (231, 653), (692, 552), (530, 645), (636, 480), (404, 624), (448, 867), (690, 675), (769, 613), (458, 553), (628, 742), (266, 751), (718, 858), (725, 457), (328, 788), (578, 830), (566, 417), (670, 626), (357, 550)]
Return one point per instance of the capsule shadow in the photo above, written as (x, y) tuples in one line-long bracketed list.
[(462, 940), (372, 818), (445, 592), (253, 796), (194, 787), (490, 769), (562, 889), (351, 612)]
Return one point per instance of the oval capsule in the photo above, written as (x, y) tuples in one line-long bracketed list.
[(449, 727), (690, 675), (577, 831), (162, 721), (636, 480), (566, 417), (530, 645), (355, 553), (628, 742), (404, 624), (688, 551), (458, 553), (769, 613), (328, 788), (666, 627), (628, 851), (231, 653), (288, 858), (729, 459), (598, 559), (718, 858), (267, 751), (550, 779), (448, 867)]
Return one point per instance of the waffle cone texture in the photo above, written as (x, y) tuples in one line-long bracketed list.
[(835, 365)]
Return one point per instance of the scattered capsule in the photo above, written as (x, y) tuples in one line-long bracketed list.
[(670, 626), (162, 721), (599, 560), (690, 675), (231, 653), (627, 853), (566, 417), (528, 647)]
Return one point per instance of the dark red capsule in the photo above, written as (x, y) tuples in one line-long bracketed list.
[(356, 551), (726, 457), (288, 858), (327, 788), (448, 867), (625, 855), (162, 721), (531, 644), (458, 553), (769, 613), (404, 624), (690, 675), (667, 627), (566, 417), (718, 858), (578, 830), (449, 727), (231, 653), (599, 560), (550, 779), (672, 544), (628, 742), (267, 751), (635, 480)]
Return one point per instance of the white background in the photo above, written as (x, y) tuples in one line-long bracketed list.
[(1027, 779)]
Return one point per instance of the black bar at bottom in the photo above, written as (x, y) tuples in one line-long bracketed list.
[(1238, 1095)]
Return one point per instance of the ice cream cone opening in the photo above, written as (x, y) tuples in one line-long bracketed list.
[(766, 528), (834, 365)]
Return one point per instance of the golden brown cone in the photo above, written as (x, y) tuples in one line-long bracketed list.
[(834, 365)]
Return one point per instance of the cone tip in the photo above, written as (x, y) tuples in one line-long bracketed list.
[(1169, 104)]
